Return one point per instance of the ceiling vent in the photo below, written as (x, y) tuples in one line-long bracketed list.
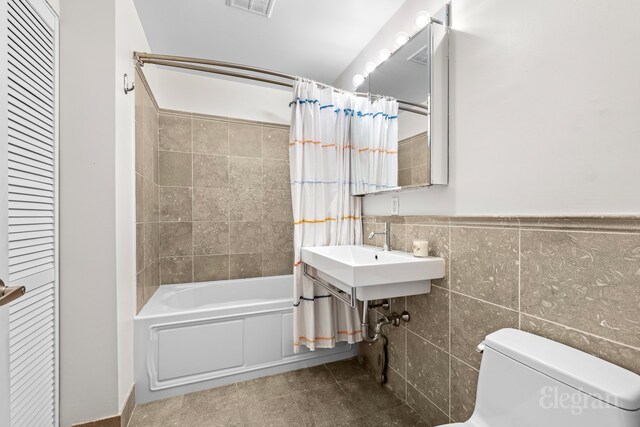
[(420, 57), (261, 7)]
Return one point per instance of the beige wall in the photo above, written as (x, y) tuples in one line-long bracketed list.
[(571, 280), (147, 190), (224, 199)]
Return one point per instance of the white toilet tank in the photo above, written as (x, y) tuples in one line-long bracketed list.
[(529, 381)]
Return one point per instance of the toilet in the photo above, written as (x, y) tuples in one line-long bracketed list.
[(529, 381)]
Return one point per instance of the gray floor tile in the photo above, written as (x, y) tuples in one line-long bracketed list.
[(346, 369)]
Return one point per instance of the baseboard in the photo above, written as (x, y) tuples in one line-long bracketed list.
[(121, 420)]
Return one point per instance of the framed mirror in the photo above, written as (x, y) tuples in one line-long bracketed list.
[(417, 76)]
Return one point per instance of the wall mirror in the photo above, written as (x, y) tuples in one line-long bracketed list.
[(417, 73)]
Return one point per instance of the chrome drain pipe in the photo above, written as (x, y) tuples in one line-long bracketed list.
[(394, 319)]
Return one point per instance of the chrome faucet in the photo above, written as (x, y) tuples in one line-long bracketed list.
[(387, 236)]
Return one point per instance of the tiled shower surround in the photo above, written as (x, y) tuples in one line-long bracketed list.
[(224, 199), (147, 208), (413, 160), (576, 281)]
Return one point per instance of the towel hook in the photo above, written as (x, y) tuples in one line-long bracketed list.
[(128, 88)]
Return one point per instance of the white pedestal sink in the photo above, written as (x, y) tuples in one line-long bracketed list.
[(368, 273)]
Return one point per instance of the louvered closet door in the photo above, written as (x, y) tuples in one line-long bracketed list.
[(28, 215)]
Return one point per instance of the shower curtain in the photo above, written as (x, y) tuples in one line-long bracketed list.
[(324, 210), (374, 136)]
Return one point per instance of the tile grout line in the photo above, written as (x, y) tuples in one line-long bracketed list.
[(449, 302), (193, 262), (465, 363), (582, 332), (519, 278), (430, 401)]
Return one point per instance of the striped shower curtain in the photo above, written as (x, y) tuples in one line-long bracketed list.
[(374, 137), (324, 212)]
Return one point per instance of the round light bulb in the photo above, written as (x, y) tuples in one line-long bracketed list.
[(384, 55), (401, 38), (357, 80), (369, 67), (422, 19)]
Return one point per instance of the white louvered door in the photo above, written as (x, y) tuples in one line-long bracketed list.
[(28, 214)]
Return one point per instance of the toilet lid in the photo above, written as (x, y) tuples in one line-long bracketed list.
[(600, 379)]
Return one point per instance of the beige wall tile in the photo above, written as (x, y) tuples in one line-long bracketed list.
[(484, 264), (277, 263), (175, 203), (147, 284), (419, 151), (464, 382), (404, 177), (140, 247), (148, 159), (139, 100), (199, 190), (210, 136), (210, 238), (176, 239), (245, 173), (140, 300), (277, 236), (246, 205), (404, 155), (399, 237), (626, 357), (428, 370), (397, 348), (139, 198), (430, 316), (149, 116), (149, 201), (588, 281), (245, 140), (276, 174), (174, 270), (175, 133), (155, 279), (420, 175), (151, 242), (175, 169), (246, 237), (242, 266), (429, 412), (275, 143), (471, 322), (139, 148), (438, 238), (210, 267), (210, 171), (210, 204), (277, 206)]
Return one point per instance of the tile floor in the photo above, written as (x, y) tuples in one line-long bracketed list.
[(336, 394)]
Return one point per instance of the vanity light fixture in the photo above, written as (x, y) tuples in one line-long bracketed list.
[(369, 67), (401, 38), (422, 19), (384, 54), (357, 80)]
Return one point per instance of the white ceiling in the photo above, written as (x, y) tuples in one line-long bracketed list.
[(316, 39)]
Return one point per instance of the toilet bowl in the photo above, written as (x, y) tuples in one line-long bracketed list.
[(529, 381)]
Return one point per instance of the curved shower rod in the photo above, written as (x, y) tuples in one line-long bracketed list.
[(208, 66)]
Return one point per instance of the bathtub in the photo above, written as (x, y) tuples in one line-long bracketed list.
[(197, 336)]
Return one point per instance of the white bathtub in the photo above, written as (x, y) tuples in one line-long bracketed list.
[(197, 336)]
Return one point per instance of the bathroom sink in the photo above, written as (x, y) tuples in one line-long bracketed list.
[(369, 273)]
